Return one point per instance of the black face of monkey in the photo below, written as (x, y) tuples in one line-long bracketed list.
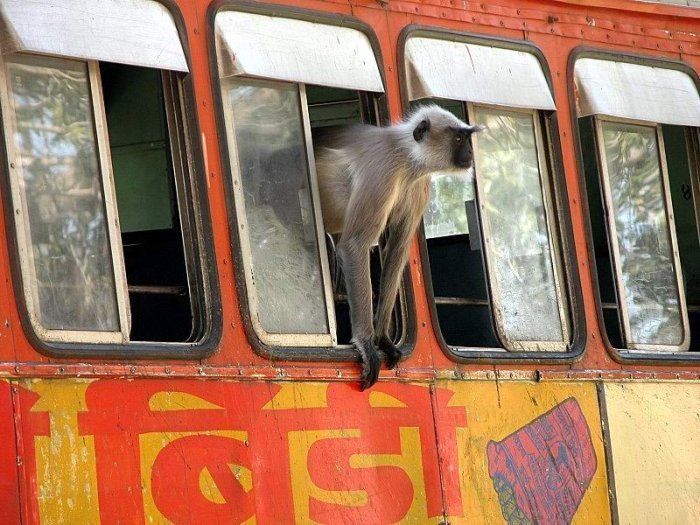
[(462, 155)]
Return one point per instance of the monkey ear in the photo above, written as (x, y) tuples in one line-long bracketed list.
[(421, 129)]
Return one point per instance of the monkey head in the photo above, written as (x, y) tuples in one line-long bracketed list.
[(441, 140)]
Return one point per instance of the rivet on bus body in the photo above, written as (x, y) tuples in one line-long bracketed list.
[(167, 370)]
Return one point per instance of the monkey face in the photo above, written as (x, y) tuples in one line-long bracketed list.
[(462, 155), (445, 141)]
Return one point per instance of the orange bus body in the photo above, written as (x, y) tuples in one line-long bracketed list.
[(239, 438)]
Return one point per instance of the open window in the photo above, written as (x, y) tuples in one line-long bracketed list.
[(638, 125), (100, 173), (493, 238), (284, 82)]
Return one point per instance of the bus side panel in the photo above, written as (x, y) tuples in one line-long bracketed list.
[(205, 451), (655, 444), (9, 481), (530, 453)]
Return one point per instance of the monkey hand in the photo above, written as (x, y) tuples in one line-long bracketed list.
[(370, 363), (391, 353)]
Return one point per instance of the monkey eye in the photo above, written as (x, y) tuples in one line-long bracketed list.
[(458, 138)]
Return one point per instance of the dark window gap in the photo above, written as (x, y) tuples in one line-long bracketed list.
[(329, 108), (458, 275), (152, 240)]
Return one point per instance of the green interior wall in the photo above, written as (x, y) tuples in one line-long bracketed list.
[(138, 140)]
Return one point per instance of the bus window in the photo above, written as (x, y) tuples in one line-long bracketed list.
[(100, 181), (491, 236), (278, 97), (640, 162)]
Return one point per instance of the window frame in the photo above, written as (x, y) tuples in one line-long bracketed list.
[(336, 353), (274, 338), (23, 237), (692, 140), (557, 270), (601, 157), (562, 227), (207, 301), (620, 355)]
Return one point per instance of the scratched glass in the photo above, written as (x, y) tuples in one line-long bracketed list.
[(281, 231), (446, 212), (62, 201), (643, 237), (525, 294)]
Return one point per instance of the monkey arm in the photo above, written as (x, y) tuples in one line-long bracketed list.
[(354, 258), (365, 218), (403, 224)]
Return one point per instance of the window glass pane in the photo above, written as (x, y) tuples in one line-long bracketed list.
[(518, 249), (446, 212), (278, 206), (643, 237), (72, 278)]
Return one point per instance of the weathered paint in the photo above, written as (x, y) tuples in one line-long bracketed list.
[(655, 444), (530, 453), (191, 451), (9, 480), (159, 451)]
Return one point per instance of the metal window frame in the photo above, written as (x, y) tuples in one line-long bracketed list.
[(274, 338), (563, 224), (562, 306), (599, 121), (619, 355), (177, 130), (22, 237), (339, 353), (692, 140), (197, 191)]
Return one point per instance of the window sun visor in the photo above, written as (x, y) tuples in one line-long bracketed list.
[(633, 91), (476, 73), (133, 32), (294, 50)]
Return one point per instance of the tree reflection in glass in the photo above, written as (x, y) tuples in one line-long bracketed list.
[(524, 290), (446, 213), (61, 195), (643, 238)]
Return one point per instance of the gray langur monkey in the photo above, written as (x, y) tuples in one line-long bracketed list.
[(373, 180)]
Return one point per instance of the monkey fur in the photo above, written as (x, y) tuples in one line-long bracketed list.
[(374, 180)]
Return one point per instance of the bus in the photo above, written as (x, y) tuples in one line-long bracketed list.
[(175, 342)]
